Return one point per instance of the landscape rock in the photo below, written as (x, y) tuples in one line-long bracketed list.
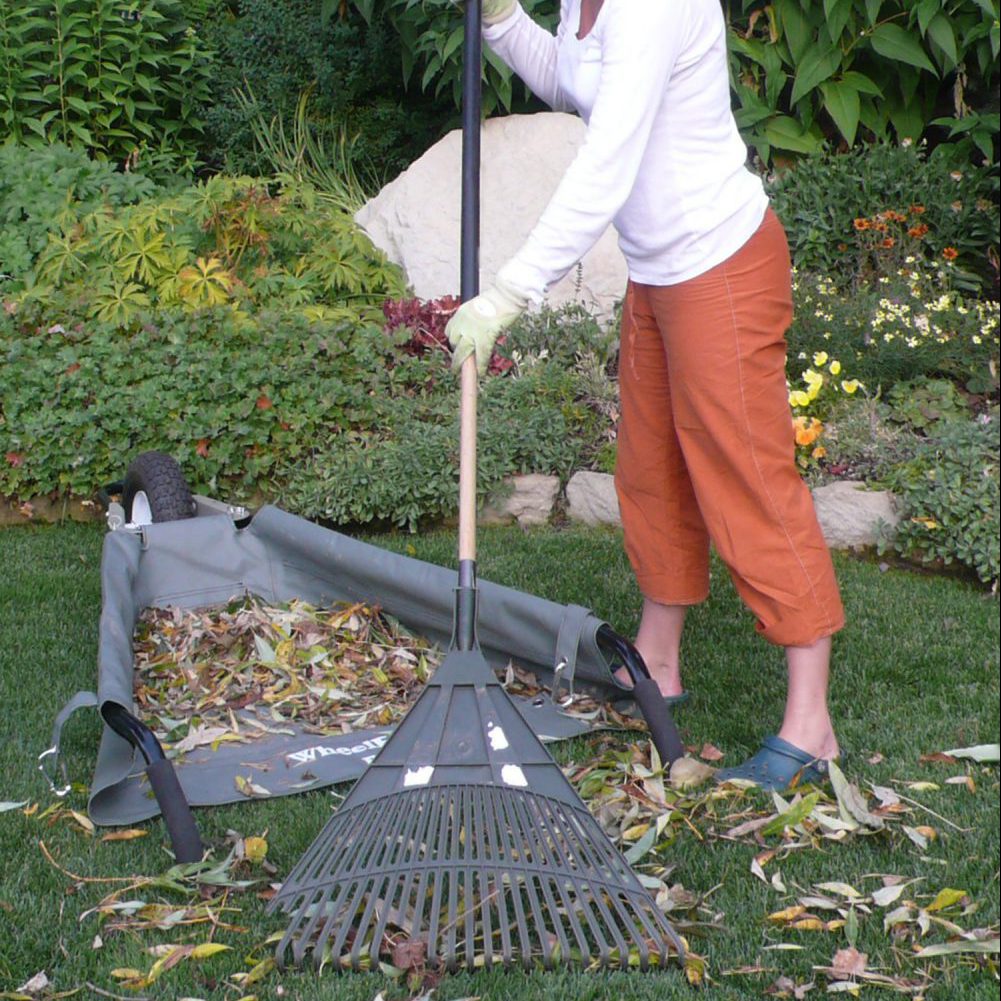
[(591, 499), (530, 501), (850, 515), (415, 218)]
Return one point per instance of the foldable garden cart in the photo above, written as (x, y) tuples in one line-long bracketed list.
[(207, 552)]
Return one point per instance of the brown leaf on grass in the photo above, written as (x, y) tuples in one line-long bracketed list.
[(710, 752), (875, 759), (130, 835), (962, 780), (38, 983), (409, 954), (937, 756), (848, 963), (786, 987), (687, 773)]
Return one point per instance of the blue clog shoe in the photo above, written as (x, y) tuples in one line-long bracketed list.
[(777, 765)]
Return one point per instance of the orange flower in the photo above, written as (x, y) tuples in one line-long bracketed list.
[(888, 242), (894, 216), (950, 253), (861, 224), (807, 430), (918, 231), (880, 227), (917, 210)]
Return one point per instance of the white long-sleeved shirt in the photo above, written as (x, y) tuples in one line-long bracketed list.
[(662, 159)]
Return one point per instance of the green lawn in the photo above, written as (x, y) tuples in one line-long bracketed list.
[(916, 672)]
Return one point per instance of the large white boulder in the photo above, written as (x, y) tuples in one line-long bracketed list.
[(415, 218)]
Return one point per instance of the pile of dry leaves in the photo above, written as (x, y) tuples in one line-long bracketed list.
[(204, 676), (252, 665)]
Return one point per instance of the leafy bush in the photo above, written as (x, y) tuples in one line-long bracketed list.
[(408, 472), (334, 419), (805, 72), (898, 329), (350, 66), (950, 496), (862, 442), (122, 78), (925, 403), (222, 241), (431, 46), (45, 190), (945, 204)]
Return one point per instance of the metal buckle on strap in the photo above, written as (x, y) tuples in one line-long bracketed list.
[(50, 765), (562, 677)]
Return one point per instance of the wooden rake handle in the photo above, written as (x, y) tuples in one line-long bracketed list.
[(467, 460)]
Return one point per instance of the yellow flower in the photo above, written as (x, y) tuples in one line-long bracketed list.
[(813, 378), (850, 385), (797, 398), (835, 368), (820, 358)]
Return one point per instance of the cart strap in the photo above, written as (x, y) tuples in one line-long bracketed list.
[(50, 764), (568, 640)]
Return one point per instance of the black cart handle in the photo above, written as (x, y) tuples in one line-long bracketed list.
[(177, 815), (646, 692)]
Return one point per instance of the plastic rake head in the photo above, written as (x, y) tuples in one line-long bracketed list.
[(464, 843)]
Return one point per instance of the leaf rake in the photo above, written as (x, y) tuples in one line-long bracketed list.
[(463, 842)]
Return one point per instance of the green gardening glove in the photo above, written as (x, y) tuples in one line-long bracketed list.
[(495, 11), (476, 324)]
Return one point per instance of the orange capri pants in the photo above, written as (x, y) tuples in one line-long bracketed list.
[(706, 449)]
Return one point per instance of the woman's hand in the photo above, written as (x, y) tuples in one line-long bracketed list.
[(476, 324), (495, 11)]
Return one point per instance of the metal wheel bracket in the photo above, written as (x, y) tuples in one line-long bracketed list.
[(52, 768), (562, 678)]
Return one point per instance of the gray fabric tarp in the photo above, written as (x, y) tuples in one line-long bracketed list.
[(208, 560)]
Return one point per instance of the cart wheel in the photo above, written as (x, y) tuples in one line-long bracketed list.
[(155, 490)]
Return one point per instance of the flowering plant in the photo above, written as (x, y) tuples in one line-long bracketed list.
[(905, 325), (821, 385)]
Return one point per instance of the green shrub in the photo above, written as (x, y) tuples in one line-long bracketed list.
[(861, 441), (898, 329), (820, 198), (804, 72), (334, 419), (222, 241), (950, 496), (46, 190), (350, 65), (430, 34), (125, 79), (408, 471), (925, 403), (225, 397)]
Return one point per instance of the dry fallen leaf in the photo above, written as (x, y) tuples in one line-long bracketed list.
[(130, 835), (849, 963), (688, 773)]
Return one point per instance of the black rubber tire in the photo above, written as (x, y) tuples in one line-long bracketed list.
[(159, 477)]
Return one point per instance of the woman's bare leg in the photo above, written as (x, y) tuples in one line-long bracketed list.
[(659, 643), (807, 721)]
